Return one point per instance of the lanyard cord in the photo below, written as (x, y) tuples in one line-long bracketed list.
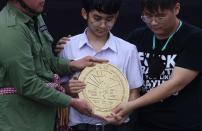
[(169, 38)]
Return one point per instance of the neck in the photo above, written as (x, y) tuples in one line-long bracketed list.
[(169, 31), (19, 7), (169, 37), (95, 41)]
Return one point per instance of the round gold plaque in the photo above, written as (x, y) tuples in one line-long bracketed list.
[(106, 87)]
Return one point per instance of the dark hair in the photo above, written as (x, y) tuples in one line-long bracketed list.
[(155, 5), (104, 6)]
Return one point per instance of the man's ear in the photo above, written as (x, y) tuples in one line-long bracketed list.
[(84, 13), (177, 8), (117, 14)]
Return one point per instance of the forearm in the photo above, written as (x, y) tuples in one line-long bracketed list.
[(155, 95), (32, 87), (22, 75), (134, 94), (60, 66), (180, 78)]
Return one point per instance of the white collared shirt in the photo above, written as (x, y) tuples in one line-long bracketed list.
[(120, 53)]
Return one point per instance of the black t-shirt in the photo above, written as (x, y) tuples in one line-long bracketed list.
[(182, 110)]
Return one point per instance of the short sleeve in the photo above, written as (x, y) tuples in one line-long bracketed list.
[(190, 57), (134, 72)]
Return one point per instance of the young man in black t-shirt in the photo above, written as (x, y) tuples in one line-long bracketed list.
[(170, 52)]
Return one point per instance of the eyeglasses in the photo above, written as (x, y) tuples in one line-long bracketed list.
[(157, 19)]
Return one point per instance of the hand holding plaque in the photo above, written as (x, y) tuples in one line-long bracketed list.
[(106, 88)]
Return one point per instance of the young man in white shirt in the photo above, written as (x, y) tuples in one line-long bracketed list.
[(97, 41)]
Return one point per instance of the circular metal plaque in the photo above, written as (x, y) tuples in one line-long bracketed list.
[(106, 88)]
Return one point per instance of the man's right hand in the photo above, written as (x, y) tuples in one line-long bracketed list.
[(80, 64), (81, 106), (119, 114)]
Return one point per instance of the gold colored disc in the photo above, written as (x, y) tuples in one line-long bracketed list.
[(106, 88)]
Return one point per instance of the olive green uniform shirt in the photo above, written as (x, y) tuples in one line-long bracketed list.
[(27, 63)]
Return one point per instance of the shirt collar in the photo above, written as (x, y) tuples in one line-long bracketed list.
[(15, 15), (110, 43)]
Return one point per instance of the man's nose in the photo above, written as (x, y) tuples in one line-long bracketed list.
[(153, 21), (103, 23)]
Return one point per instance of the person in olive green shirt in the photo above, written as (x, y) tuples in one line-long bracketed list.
[(27, 65)]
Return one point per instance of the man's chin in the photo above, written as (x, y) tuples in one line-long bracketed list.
[(38, 12), (157, 32)]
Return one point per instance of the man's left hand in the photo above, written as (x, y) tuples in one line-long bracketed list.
[(84, 62)]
